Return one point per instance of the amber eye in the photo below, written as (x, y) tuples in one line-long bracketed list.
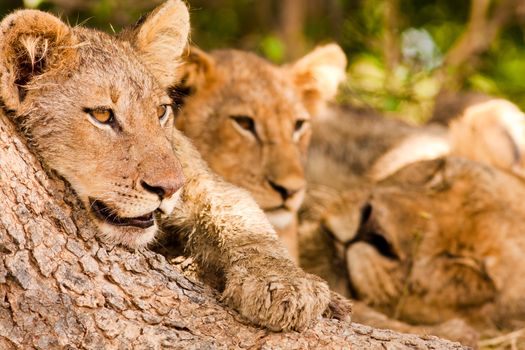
[(163, 112), (101, 115), (245, 122)]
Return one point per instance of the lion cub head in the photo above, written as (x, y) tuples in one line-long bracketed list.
[(96, 115), (250, 119), (436, 240)]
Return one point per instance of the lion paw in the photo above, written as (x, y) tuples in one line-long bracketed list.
[(278, 299), (339, 308)]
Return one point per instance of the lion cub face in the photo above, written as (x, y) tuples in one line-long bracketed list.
[(251, 120), (436, 240), (96, 116)]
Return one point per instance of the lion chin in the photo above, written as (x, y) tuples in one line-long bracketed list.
[(280, 218)]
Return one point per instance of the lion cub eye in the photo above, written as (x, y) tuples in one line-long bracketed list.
[(299, 124), (298, 129), (245, 122), (163, 112), (101, 115)]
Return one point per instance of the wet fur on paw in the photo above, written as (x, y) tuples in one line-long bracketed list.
[(279, 299)]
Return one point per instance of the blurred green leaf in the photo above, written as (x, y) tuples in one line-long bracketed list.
[(391, 103), (273, 48), (33, 4)]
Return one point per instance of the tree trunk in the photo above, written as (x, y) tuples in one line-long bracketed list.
[(391, 47), (292, 26), (60, 288)]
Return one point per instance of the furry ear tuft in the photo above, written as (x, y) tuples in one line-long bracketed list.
[(491, 132), (318, 75), (198, 67), (32, 45), (160, 39), (196, 71)]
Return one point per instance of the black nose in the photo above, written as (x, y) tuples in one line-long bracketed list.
[(370, 231), (163, 188), (282, 190)]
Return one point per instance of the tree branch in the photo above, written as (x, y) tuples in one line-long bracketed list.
[(391, 47), (483, 27)]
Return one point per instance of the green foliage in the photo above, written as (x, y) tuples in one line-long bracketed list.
[(503, 68), (359, 28), (427, 30), (273, 48)]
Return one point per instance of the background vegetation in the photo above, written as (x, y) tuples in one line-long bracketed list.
[(402, 53)]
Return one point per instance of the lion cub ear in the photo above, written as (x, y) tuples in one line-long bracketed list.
[(318, 75), (196, 72), (198, 68), (33, 44), (160, 39), (491, 132)]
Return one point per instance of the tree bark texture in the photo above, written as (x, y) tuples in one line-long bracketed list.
[(60, 288)]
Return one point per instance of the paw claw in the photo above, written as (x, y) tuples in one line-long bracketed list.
[(339, 308), (280, 301)]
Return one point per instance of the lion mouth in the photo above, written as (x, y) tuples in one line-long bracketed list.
[(106, 214), (281, 207)]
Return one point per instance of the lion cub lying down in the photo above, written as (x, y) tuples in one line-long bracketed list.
[(96, 110), (436, 240), (250, 120)]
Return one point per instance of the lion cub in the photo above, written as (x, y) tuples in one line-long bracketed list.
[(96, 110), (250, 120)]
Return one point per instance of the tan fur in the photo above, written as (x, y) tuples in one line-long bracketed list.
[(43, 64), (437, 240), (354, 139), (52, 75), (490, 132), (450, 105), (422, 145), (165, 38), (447, 243), (229, 83)]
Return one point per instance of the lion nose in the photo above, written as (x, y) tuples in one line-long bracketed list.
[(163, 189), (160, 172), (164, 179), (286, 190)]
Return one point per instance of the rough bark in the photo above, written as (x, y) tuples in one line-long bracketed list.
[(60, 288)]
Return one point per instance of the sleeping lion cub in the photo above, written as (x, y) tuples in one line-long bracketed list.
[(96, 111), (250, 120), (434, 242)]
